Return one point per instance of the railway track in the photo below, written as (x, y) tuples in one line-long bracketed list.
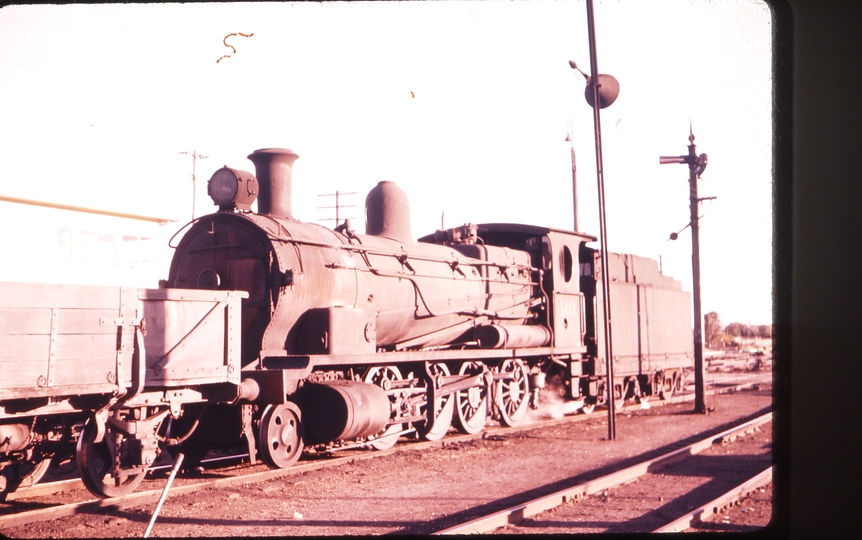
[(704, 512), (714, 507), (33, 504)]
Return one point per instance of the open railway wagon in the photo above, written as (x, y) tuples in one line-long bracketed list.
[(97, 374)]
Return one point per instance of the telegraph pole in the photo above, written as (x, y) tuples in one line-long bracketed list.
[(571, 140), (338, 206), (696, 165), (195, 158)]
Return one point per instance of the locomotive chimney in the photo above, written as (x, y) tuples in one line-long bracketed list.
[(387, 212), (274, 170)]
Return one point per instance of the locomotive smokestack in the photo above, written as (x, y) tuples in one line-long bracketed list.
[(274, 170)]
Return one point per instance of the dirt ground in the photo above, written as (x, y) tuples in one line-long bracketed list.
[(662, 495), (421, 488)]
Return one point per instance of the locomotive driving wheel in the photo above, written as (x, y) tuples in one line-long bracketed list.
[(95, 461), (470, 407), (280, 435), (383, 376), (512, 395), (438, 410)]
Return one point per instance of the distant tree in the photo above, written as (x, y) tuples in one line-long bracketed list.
[(734, 329), (748, 331), (712, 330)]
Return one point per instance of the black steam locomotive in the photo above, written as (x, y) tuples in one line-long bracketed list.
[(343, 338)]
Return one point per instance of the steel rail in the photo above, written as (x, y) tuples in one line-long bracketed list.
[(59, 486), (152, 496), (714, 507), (522, 511)]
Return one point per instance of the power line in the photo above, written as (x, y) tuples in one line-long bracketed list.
[(338, 206)]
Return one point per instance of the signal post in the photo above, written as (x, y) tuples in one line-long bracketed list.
[(696, 165)]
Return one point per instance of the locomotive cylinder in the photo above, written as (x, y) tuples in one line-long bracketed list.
[(273, 168), (337, 410)]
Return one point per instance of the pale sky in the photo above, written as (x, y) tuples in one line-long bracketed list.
[(464, 104)]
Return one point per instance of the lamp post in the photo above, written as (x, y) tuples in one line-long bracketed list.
[(602, 91), (696, 165)]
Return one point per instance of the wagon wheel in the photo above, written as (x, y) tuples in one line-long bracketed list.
[(667, 387), (512, 396), (438, 410), (94, 462), (623, 387), (22, 475), (38, 470), (470, 407), (280, 435), (381, 376)]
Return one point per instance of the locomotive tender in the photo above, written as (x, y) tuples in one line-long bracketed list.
[(347, 338)]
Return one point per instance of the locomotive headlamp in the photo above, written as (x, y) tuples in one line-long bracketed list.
[(232, 188)]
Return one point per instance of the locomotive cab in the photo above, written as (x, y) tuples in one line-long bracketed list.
[(557, 254)]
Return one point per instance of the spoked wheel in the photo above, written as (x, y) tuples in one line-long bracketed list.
[(470, 408), (512, 395), (620, 398), (667, 387), (36, 472), (94, 462), (280, 435), (22, 475), (382, 376), (439, 410)]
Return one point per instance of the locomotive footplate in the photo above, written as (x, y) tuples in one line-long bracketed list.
[(309, 362)]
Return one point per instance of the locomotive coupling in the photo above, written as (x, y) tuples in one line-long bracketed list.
[(341, 409)]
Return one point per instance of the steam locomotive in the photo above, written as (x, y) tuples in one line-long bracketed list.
[(282, 335)]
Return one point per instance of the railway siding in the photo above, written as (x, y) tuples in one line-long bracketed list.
[(650, 502), (416, 491)]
